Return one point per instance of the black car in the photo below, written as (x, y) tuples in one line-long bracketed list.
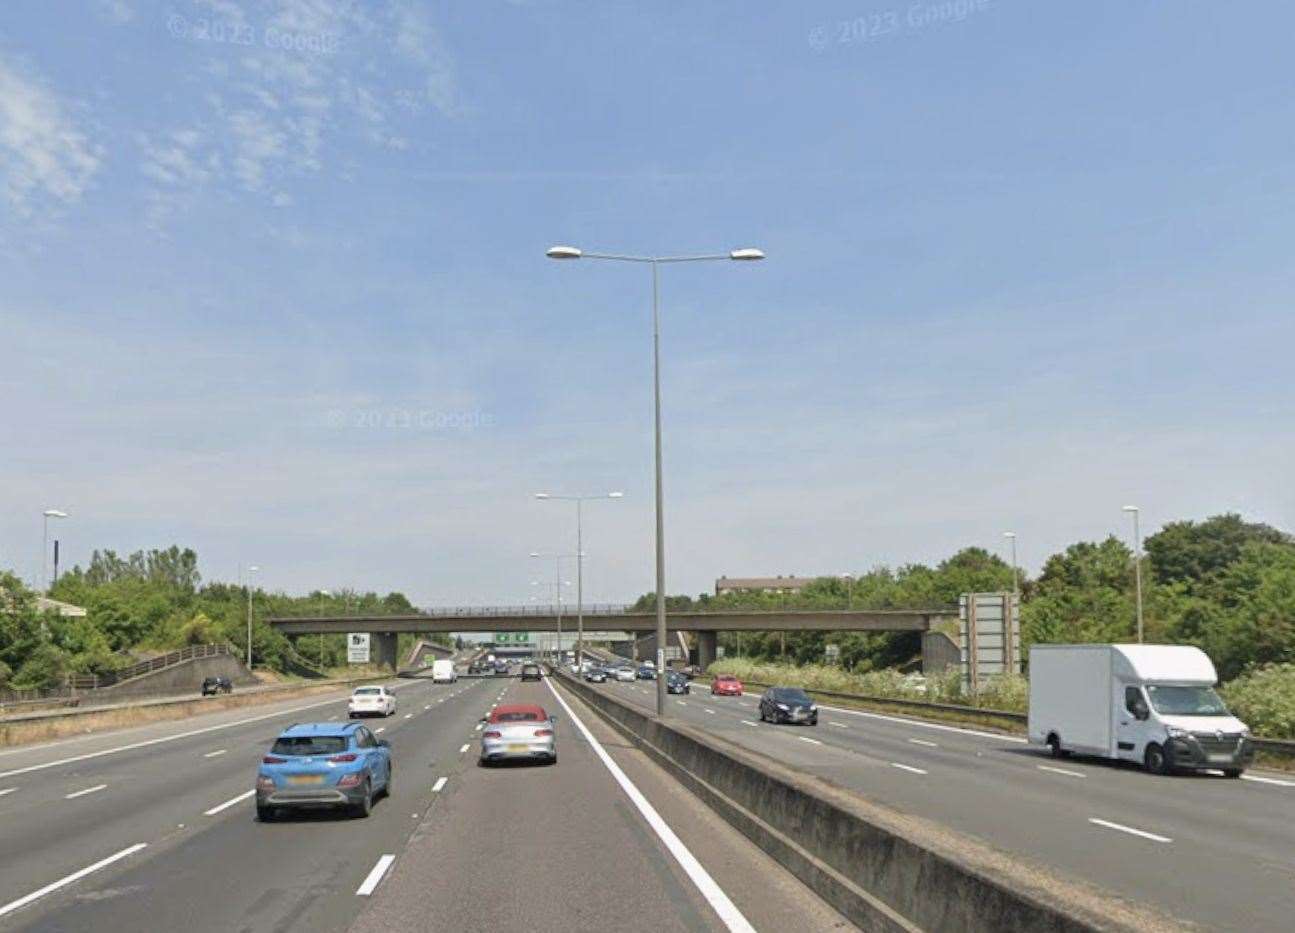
[(646, 673), (531, 672), (677, 683), (596, 675), (788, 704), (214, 685)]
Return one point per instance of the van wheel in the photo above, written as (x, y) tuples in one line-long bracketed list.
[(1054, 743), (1156, 761)]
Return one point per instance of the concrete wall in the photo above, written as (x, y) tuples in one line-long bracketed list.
[(881, 869), (939, 653), (185, 677)]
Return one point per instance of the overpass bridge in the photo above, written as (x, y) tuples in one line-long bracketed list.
[(704, 625)]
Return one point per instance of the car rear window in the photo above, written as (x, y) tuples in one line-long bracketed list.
[(368, 691), (518, 716), (309, 745)]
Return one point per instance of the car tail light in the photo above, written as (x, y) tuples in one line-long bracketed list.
[(271, 760), (347, 757), (492, 734), (350, 780), (543, 732)]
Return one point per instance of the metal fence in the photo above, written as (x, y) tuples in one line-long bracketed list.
[(590, 609), (75, 685)]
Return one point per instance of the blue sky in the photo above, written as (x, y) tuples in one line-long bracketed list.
[(272, 282)]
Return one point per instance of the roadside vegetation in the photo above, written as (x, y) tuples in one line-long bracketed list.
[(155, 601), (1222, 584)]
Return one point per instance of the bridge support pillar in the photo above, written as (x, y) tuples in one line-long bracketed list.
[(384, 649), (707, 649)]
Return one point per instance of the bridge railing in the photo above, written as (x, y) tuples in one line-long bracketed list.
[(590, 609)]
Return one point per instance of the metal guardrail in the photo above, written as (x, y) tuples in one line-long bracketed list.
[(1284, 747), (594, 609)]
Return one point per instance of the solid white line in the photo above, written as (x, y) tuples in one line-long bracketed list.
[(7, 790), (1129, 829), (1077, 774), (440, 783), (719, 901), (166, 738), (924, 742), (228, 803), (804, 738), (70, 879), (464, 748), (375, 876), (839, 725), (82, 793), (217, 752), (928, 725), (896, 764), (1264, 780), (409, 715), (747, 722)]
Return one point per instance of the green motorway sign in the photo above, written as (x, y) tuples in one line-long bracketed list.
[(512, 638)]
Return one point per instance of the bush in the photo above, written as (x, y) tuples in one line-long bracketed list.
[(1264, 699)]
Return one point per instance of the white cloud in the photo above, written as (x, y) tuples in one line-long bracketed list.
[(119, 11), (43, 154), (319, 74)]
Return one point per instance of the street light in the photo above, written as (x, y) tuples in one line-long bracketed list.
[(1016, 576), (250, 570), (329, 595), (849, 590), (44, 558), (580, 565), (557, 586), (1137, 562), (738, 255)]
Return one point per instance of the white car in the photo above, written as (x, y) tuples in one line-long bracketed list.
[(371, 701), (625, 675)]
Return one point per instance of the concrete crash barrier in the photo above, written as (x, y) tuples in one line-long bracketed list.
[(884, 870)]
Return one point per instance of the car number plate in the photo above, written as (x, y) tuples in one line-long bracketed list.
[(306, 779), (518, 748)]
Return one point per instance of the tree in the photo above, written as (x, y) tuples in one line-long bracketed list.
[(1195, 553)]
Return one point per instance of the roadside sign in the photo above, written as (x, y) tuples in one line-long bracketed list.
[(357, 648)]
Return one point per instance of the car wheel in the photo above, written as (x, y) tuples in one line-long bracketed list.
[(365, 806), (1232, 772), (762, 719), (1054, 745), (814, 721), (386, 788), (265, 814), (1155, 760), (554, 759)]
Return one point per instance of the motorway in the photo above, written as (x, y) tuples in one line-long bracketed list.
[(1207, 850), (152, 828)]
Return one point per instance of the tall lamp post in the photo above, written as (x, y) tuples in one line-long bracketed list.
[(1137, 562), (44, 554), (558, 583), (1016, 575), (580, 564), (738, 255), (250, 570)]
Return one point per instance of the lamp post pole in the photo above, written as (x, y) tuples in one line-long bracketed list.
[(1137, 562), (1016, 576), (580, 564), (250, 570), (44, 551), (741, 255)]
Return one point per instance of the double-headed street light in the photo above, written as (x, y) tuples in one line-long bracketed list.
[(558, 583), (737, 255), (44, 559), (1137, 562), (580, 564)]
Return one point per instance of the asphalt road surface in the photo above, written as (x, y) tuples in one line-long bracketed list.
[(1216, 852), (153, 829)]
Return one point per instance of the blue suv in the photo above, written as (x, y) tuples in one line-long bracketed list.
[(323, 765)]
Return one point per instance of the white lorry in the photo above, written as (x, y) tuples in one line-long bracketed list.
[(443, 672), (1153, 704)]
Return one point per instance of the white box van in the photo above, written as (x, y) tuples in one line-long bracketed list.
[(1153, 704), (443, 672)]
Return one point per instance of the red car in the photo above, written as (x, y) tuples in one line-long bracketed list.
[(725, 685)]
